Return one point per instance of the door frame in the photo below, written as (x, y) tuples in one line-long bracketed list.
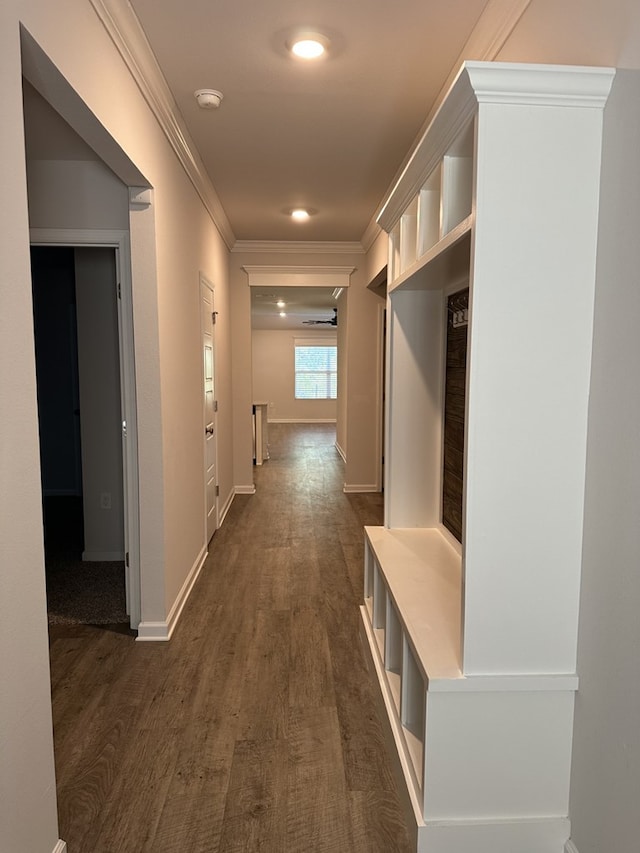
[(120, 242), (208, 284)]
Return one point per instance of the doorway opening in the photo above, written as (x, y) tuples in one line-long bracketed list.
[(91, 578)]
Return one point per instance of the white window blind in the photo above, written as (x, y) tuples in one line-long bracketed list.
[(316, 369)]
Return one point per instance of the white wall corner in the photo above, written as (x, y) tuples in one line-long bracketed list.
[(61, 847), (570, 847), (162, 631)]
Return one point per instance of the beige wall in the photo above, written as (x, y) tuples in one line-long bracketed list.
[(273, 376)]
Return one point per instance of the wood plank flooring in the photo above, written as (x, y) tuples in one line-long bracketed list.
[(255, 727)]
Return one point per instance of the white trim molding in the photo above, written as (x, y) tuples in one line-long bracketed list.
[(275, 275), (125, 31), (162, 631), (61, 847), (293, 247), (570, 847), (226, 507), (341, 452), (354, 489), (245, 490), (302, 420)]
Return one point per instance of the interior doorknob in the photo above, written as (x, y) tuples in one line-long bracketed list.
[(209, 430)]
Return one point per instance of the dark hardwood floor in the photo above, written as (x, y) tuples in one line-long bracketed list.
[(255, 727)]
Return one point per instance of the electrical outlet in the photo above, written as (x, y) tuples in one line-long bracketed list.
[(105, 500)]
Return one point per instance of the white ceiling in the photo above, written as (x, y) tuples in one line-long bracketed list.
[(328, 135)]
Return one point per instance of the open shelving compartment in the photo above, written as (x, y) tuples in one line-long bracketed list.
[(443, 202)]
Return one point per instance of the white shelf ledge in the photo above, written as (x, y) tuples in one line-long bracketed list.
[(422, 574), (421, 571), (447, 260)]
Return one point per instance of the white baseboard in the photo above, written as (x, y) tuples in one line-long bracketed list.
[(103, 556), (61, 847), (342, 453), (222, 513), (350, 488), (162, 631), (302, 420), (245, 490), (570, 847)]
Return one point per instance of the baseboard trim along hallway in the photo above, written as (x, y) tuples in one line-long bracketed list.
[(162, 631)]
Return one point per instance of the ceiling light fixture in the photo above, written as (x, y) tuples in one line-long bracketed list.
[(208, 99), (283, 313), (280, 303), (309, 45), (300, 214)]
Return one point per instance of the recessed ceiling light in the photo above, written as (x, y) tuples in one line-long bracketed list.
[(280, 303), (309, 45), (299, 214), (283, 313)]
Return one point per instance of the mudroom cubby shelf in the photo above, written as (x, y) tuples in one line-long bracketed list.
[(441, 203), (473, 642)]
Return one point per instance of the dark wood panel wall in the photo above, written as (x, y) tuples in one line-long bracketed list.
[(454, 415)]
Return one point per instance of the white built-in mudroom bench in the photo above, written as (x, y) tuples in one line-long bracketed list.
[(470, 613)]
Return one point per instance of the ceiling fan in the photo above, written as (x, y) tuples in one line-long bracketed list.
[(332, 322)]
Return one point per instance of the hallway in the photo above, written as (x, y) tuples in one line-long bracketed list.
[(255, 728)]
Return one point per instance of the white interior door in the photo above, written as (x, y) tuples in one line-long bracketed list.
[(210, 406)]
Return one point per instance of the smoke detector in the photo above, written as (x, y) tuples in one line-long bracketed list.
[(208, 99)]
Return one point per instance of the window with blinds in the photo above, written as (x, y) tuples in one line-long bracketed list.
[(316, 371)]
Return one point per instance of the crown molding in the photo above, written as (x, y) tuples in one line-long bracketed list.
[(275, 275), (295, 247), (125, 31), (488, 37), (540, 85)]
